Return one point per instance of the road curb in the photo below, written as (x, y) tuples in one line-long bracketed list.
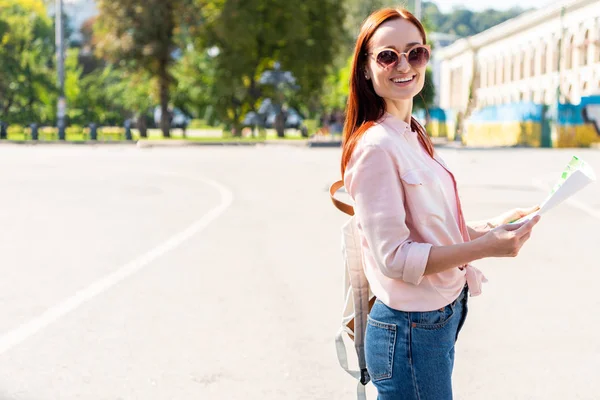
[(149, 143), (65, 143), (189, 143)]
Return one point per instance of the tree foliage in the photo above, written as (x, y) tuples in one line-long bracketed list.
[(141, 35), (463, 22), (250, 36), (205, 57), (27, 85)]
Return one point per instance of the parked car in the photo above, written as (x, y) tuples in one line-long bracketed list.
[(293, 119), (252, 119), (179, 120)]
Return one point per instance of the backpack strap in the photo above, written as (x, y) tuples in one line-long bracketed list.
[(352, 256), (340, 205)]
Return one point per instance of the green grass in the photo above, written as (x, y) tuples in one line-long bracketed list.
[(117, 134)]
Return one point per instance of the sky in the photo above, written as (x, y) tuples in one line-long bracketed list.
[(478, 5)]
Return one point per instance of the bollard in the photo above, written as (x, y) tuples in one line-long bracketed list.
[(93, 131), (34, 131), (3, 130), (128, 130)]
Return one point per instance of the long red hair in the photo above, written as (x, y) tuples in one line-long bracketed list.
[(364, 105)]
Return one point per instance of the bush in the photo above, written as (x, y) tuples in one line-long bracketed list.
[(312, 125), (198, 124), (74, 130), (48, 133), (15, 130), (111, 131), (48, 130)]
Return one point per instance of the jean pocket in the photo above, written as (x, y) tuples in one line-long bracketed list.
[(380, 342), (432, 320)]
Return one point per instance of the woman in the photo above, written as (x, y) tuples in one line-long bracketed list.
[(416, 244)]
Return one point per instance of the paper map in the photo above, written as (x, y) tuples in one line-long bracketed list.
[(576, 175)]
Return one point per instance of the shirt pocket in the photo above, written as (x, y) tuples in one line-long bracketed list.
[(423, 196)]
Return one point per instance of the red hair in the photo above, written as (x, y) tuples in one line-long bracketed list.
[(364, 105)]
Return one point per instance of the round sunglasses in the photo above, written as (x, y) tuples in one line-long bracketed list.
[(417, 56)]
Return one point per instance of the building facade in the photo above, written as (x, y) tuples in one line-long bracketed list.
[(510, 77)]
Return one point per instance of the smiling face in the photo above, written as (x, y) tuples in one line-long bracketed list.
[(402, 81)]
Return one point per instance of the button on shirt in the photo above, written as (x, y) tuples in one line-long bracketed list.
[(405, 202)]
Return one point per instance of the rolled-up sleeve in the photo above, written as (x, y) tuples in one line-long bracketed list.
[(372, 180)]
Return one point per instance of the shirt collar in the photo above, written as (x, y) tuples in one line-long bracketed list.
[(395, 123)]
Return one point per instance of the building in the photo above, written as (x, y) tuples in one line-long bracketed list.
[(438, 41), (500, 86)]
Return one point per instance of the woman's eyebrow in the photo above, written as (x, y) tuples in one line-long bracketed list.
[(409, 45)]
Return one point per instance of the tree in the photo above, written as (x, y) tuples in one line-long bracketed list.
[(425, 99), (463, 22), (195, 75), (26, 56), (357, 11), (141, 34), (106, 95), (249, 36)]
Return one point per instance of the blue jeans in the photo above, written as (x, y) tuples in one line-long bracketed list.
[(410, 355)]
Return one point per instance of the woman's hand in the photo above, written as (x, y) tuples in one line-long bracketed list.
[(511, 216), (507, 239)]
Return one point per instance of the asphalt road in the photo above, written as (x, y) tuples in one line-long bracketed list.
[(214, 273)]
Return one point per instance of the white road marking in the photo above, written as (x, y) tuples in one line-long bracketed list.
[(30, 328)]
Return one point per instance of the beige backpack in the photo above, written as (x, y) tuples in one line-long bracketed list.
[(358, 298)]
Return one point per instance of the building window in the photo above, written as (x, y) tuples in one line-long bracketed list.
[(555, 55), (491, 74), (456, 87), (532, 63), (522, 66), (483, 72), (544, 60), (597, 44), (507, 70), (570, 48), (500, 76), (584, 49)]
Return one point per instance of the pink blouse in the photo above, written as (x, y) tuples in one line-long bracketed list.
[(405, 202)]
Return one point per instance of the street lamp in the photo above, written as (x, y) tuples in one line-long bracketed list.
[(60, 63)]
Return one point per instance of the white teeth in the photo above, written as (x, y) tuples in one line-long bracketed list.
[(403, 80)]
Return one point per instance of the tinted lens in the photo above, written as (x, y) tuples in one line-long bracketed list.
[(418, 57), (387, 58)]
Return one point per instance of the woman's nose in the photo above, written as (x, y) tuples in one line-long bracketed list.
[(403, 65)]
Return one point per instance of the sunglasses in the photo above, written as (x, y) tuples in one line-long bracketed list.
[(417, 56)]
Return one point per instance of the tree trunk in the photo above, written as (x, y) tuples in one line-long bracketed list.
[(165, 120), (236, 126), (280, 124), (142, 127)]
